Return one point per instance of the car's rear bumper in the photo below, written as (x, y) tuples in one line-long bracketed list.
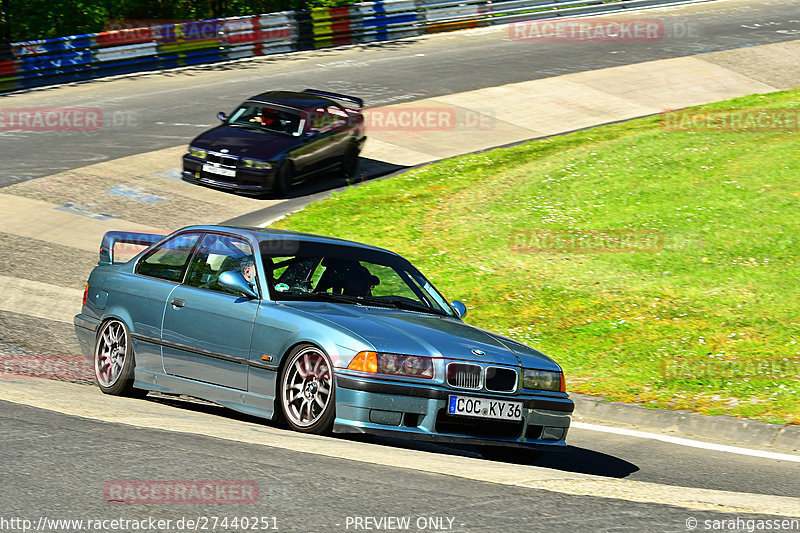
[(86, 331), (419, 412)]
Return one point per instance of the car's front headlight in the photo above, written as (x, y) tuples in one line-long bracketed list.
[(414, 366), (255, 163), (543, 380), (197, 152)]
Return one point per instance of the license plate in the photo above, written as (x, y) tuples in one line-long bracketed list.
[(218, 170), (484, 407)]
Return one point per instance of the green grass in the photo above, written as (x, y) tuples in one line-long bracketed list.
[(693, 326)]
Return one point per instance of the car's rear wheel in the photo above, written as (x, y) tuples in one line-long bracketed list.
[(283, 179), (350, 162), (307, 390), (114, 361), (508, 454)]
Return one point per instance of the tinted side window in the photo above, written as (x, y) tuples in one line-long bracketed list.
[(218, 254), (325, 119), (169, 260)]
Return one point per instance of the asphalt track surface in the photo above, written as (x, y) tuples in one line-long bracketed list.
[(150, 112), (56, 466), (599, 454)]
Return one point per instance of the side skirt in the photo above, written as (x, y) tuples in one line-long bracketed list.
[(245, 402)]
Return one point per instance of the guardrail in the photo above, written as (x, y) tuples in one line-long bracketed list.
[(44, 62)]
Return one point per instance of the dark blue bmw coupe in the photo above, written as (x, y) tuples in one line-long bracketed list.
[(276, 139)]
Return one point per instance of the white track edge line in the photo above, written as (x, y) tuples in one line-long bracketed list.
[(688, 442)]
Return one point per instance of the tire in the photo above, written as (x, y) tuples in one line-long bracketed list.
[(508, 454), (308, 391), (114, 361), (350, 162), (283, 180)]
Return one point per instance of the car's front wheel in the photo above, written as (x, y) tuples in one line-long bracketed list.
[(307, 390), (283, 179), (114, 361)]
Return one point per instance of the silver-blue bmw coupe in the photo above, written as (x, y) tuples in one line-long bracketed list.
[(325, 334)]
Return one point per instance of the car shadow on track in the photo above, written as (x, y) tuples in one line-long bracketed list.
[(368, 169), (314, 190), (584, 461), (569, 459)]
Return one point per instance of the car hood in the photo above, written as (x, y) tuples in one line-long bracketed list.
[(245, 142), (407, 332)]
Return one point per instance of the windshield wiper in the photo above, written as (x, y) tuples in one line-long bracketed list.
[(357, 300), (400, 303), (322, 296), (393, 303), (336, 297)]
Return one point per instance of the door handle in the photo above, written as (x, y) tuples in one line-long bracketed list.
[(177, 302)]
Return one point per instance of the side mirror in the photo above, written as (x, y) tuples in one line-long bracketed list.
[(234, 281), (222, 116), (460, 308)]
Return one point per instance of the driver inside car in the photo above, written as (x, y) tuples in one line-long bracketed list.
[(266, 117), (346, 277), (248, 269)]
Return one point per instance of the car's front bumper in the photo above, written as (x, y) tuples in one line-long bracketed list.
[(420, 412), (246, 180)]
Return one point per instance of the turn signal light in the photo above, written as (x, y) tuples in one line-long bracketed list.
[(85, 294), (365, 362)]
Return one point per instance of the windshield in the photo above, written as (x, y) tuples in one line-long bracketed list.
[(265, 118), (309, 271)]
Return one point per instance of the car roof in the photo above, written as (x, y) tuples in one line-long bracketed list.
[(294, 100), (260, 233)]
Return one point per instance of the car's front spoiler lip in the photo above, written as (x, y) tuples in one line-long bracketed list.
[(545, 404), (403, 433), (208, 182)]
